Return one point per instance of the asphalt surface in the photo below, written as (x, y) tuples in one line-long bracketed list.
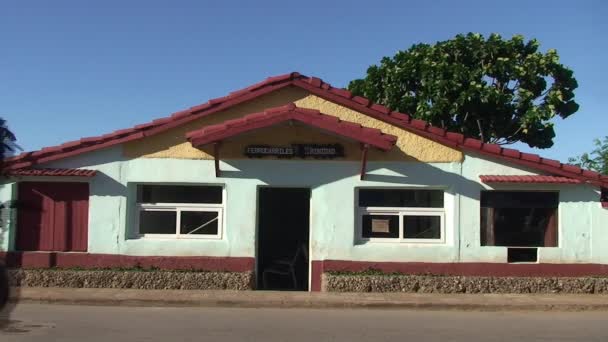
[(53, 322)]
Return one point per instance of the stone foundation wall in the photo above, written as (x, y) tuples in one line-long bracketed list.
[(336, 282), (132, 279)]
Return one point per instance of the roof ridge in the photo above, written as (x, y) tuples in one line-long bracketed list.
[(318, 87)]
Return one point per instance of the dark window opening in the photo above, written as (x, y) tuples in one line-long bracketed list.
[(399, 198), (422, 227), (199, 222), (519, 219), (149, 193), (157, 222), (522, 254)]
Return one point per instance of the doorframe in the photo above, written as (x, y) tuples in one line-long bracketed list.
[(257, 227)]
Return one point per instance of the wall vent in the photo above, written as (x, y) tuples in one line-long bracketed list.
[(515, 255)]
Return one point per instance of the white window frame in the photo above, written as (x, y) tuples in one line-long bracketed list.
[(401, 212), (178, 208)]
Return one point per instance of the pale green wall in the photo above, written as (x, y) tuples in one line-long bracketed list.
[(332, 207), (7, 193), (580, 216)]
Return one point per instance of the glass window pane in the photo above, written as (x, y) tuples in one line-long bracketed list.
[(380, 226), (422, 227), (519, 199), (147, 193), (199, 222), (519, 218), (400, 198), (157, 222), (522, 227)]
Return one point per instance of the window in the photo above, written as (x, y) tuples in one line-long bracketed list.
[(522, 255), (519, 218), (180, 211), (405, 215)]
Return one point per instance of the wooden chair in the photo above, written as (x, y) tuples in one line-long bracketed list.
[(285, 267)]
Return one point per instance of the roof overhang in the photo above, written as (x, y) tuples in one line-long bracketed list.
[(367, 137), (540, 179), (528, 179), (51, 173), (313, 118)]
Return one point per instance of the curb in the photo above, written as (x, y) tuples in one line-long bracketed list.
[(290, 300), (345, 305)]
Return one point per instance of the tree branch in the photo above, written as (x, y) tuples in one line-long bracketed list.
[(466, 115), (480, 131), (508, 140)]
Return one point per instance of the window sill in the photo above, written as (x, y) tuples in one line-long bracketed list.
[(402, 242), (175, 238), (542, 247)]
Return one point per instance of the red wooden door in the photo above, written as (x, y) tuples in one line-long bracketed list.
[(52, 216)]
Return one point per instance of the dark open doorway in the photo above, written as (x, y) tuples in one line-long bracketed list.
[(283, 231)]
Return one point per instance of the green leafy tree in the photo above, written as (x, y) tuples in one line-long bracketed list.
[(597, 160), (7, 140), (500, 91)]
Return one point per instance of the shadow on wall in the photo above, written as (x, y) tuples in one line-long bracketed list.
[(288, 173), (579, 193), (104, 185)]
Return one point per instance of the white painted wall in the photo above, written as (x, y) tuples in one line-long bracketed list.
[(583, 224)]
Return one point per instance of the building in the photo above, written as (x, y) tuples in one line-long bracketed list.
[(291, 178)]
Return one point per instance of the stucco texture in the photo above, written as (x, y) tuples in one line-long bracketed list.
[(126, 279), (409, 145), (459, 284), (173, 144)]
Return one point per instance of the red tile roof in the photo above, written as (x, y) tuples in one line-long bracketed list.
[(51, 172), (528, 179), (324, 90), (273, 116)]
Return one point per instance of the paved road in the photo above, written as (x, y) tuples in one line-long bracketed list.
[(34, 322)]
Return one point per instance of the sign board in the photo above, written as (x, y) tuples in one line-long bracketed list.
[(319, 151), (380, 225)]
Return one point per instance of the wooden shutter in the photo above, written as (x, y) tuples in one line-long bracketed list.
[(551, 230), (487, 226), (52, 216)]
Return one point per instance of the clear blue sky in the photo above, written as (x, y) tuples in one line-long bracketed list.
[(70, 69)]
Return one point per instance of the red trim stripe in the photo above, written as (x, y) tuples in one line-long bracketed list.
[(469, 268), (94, 261)]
